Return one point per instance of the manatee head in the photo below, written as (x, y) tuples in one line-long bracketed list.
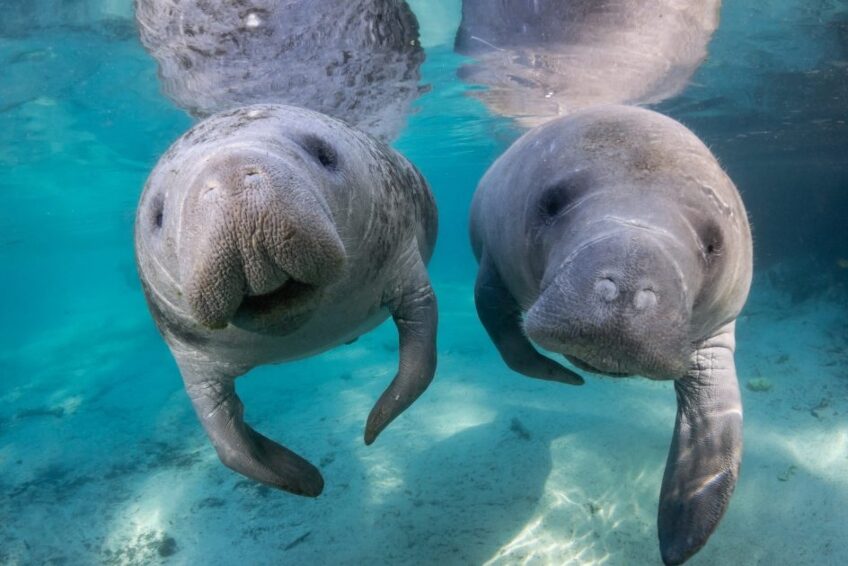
[(641, 243), (241, 225)]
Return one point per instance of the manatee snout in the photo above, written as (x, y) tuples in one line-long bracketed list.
[(616, 305), (257, 243)]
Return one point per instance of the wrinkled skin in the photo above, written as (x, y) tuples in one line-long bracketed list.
[(356, 60), (540, 59), (271, 233), (614, 238)]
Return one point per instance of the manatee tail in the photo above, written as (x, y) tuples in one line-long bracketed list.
[(703, 462), (239, 447)]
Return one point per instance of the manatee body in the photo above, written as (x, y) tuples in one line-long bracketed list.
[(356, 60), (270, 233), (613, 237), (540, 59)]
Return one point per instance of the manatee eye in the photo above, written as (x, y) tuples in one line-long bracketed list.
[(157, 211), (711, 240), (551, 204), (321, 151), (560, 195)]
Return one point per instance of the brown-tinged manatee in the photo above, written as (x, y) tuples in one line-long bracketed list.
[(540, 59), (613, 237)]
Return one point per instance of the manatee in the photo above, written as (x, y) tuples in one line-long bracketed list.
[(540, 59), (613, 237), (270, 233), (356, 60)]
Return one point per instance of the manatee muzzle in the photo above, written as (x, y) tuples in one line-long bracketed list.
[(618, 306), (257, 242)]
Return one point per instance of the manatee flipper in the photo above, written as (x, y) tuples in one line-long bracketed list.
[(416, 317), (501, 316), (240, 448), (703, 462)]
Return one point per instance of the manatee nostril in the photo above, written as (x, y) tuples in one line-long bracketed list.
[(645, 299), (251, 176), (209, 190), (606, 289)]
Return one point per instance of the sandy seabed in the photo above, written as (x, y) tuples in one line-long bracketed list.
[(102, 460)]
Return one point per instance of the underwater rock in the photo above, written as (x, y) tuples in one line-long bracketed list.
[(818, 410), (53, 483), (613, 237), (259, 490), (787, 474), (298, 541), (162, 455), (355, 60), (518, 429), (271, 233), (144, 548), (543, 59), (56, 412), (167, 547), (208, 503), (759, 385)]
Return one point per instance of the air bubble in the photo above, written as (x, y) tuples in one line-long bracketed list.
[(252, 20)]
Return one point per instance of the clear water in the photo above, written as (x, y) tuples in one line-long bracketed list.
[(101, 457)]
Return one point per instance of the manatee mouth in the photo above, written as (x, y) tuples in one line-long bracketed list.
[(281, 311), (585, 366)]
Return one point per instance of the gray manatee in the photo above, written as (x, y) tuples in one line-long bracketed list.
[(541, 59), (613, 237), (356, 60), (270, 233)]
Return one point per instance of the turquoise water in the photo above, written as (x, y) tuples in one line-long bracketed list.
[(101, 457)]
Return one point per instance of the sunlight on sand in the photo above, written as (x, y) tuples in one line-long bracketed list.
[(457, 412), (540, 544), (821, 452), (460, 407), (139, 531), (576, 523)]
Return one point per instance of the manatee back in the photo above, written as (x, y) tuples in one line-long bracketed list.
[(511, 24), (541, 59), (355, 60)]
